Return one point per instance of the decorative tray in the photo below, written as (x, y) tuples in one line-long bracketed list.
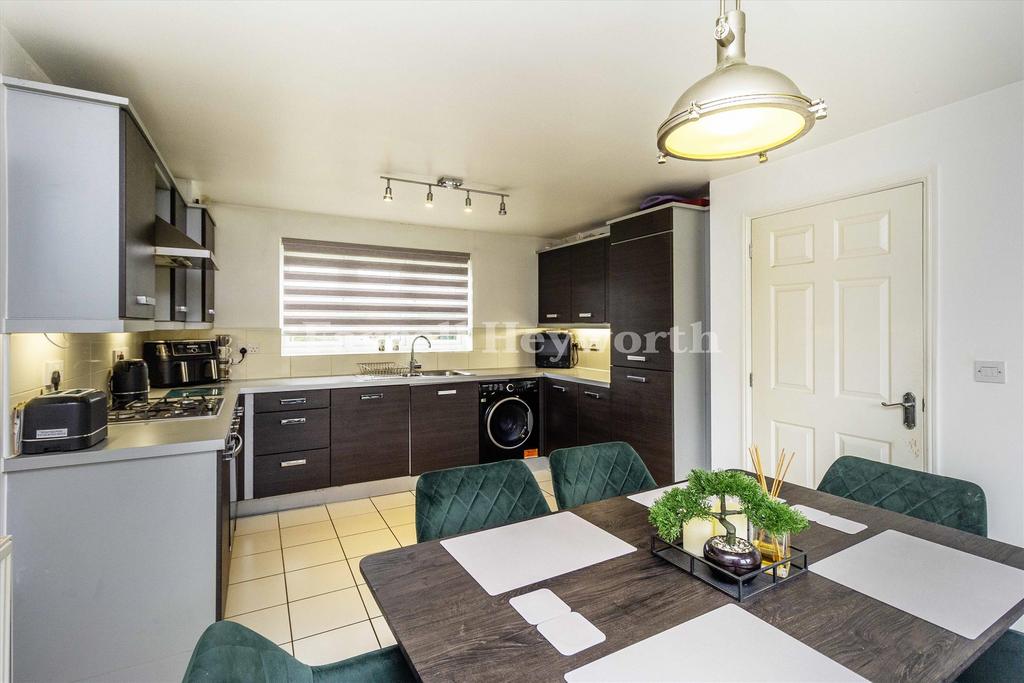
[(738, 587)]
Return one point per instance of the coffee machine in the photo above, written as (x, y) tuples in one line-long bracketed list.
[(179, 363)]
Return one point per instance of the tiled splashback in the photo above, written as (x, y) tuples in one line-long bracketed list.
[(87, 357)]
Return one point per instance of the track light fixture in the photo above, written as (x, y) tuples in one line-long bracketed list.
[(446, 183)]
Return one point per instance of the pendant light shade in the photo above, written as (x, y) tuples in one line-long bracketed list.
[(739, 109)]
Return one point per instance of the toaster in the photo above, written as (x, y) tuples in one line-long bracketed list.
[(67, 420)]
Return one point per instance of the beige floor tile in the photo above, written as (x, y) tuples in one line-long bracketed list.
[(384, 634), (406, 534), (250, 596), (271, 623), (359, 524), (287, 647), (551, 502), (399, 516), (317, 513), (324, 578), (326, 612), (333, 646), (252, 525), (368, 602), (347, 508), (542, 475), (368, 543), (312, 554), (394, 500), (259, 542), (353, 565), (547, 487), (307, 533), (249, 567)]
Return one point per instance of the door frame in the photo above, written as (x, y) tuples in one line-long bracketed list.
[(929, 401)]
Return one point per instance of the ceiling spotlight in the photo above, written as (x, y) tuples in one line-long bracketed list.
[(502, 211), (387, 192), (739, 109), (661, 158), (469, 204), (430, 197)]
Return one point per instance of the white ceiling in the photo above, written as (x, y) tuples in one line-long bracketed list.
[(302, 105)]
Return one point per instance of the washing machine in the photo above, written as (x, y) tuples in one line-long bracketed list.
[(509, 419)]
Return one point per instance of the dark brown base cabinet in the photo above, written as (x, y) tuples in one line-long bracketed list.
[(280, 473), (291, 442), (561, 415), (595, 415), (369, 434), (642, 417), (444, 423)]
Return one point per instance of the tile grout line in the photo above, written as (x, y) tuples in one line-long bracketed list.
[(284, 578)]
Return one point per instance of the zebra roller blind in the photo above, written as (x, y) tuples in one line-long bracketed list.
[(358, 298)]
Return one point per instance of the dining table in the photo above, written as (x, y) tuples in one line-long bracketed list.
[(450, 629)]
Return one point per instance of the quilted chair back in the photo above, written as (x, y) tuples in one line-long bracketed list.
[(476, 497), (943, 500), (585, 474)]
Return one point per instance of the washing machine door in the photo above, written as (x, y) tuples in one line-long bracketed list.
[(509, 422)]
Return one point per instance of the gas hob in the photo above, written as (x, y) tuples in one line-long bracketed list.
[(177, 404)]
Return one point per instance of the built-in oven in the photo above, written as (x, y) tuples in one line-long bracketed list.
[(227, 501)]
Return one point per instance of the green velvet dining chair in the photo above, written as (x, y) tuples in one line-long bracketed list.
[(476, 497), (228, 652), (933, 498), (584, 474)]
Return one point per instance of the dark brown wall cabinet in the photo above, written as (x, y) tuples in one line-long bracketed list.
[(444, 421), (561, 415), (138, 220), (179, 276), (640, 301), (572, 284), (369, 434), (642, 417)]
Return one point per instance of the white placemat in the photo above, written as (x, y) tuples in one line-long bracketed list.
[(538, 606), (958, 591), (571, 633), (517, 555), (847, 526), (648, 498), (725, 645)]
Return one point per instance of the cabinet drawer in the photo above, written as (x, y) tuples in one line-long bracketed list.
[(274, 475), (292, 400), (291, 430)]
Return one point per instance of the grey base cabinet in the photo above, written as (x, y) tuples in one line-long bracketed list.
[(444, 421), (369, 434)]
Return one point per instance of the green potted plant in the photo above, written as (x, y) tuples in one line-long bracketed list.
[(770, 517)]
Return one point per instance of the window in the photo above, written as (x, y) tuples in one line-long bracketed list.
[(356, 298)]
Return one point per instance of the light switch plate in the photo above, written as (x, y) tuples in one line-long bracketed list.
[(991, 371)]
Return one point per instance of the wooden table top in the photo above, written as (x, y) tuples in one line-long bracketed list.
[(451, 630)]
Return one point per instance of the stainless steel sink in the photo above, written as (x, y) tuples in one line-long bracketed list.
[(439, 373)]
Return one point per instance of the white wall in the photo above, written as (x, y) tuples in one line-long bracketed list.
[(971, 153), (248, 240), (14, 61)]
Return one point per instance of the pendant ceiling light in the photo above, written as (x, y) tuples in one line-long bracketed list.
[(739, 109)]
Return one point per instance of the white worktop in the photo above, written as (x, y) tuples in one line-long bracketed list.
[(181, 436)]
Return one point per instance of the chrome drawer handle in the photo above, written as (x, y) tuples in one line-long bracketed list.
[(639, 359), (586, 315), (294, 421), (292, 401), (634, 378), (447, 392), (370, 397), (557, 388), (293, 463), (550, 315), (592, 394)]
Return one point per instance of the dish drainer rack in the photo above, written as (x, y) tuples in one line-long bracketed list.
[(383, 369)]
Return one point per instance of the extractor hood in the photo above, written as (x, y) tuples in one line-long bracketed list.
[(175, 249)]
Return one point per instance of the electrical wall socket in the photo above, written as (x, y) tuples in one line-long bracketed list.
[(119, 353), (48, 369), (252, 348)]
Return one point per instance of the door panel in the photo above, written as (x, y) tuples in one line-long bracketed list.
[(444, 421), (595, 415), (589, 281), (369, 434), (138, 218), (561, 415), (837, 328), (642, 417), (554, 286), (640, 301)]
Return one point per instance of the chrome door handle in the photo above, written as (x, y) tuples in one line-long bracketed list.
[(293, 463), (292, 401), (370, 397), (638, 359), (592, 394), (294, 421), (557, 388), (585, 315), (447, 392), (550, 315), (145, 300), (634, 378), (909, 405)]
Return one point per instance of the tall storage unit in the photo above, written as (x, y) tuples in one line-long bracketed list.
[(658, 292)]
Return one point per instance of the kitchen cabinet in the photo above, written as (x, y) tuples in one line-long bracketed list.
[(369, 434), (572, 284), (178, 276), (595, 415), (292, 472), (138, 189), (224, 464), (291, 400), (444, 421), (202, 307), (642, 417), (640, 300), (561, 414), (554, 289), (291, 430), (291, 442)]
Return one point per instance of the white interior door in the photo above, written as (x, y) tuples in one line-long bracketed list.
[(838, 328)]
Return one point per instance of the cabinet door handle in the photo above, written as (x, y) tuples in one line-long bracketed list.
[(447, 392), (181, 309), (294, 421), (586, 315), (210, 311), (145, 300), (639, 359), (292, 401), (550, 315), (370, 397), (634, 378), (592, 394), (293, 463), (557, 387)]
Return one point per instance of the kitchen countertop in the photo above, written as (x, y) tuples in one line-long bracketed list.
[(196, 435)]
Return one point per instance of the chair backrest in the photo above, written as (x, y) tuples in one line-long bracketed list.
[(943, 500), (476, 497), (584, 474)]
